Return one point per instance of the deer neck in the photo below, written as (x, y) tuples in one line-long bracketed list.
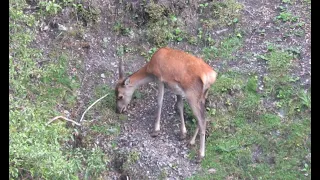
[(140, 77)]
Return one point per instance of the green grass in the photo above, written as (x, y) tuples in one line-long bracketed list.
[(36, 150), (250, 140), (220, 13), (224, 50)]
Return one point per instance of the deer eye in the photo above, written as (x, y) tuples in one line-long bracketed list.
[(120, 97)]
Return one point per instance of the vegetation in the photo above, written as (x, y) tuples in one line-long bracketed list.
[(37, 150)]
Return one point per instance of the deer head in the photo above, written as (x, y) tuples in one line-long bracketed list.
[(124, 90)]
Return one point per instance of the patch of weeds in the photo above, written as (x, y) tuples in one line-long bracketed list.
[(227, 83), (225, 49), (225, 13), (279, 61), (162, 25), (106, 129), (270, 121), (110, 100), (160, 29), (133, 156), (305, 98), (37, 150), (287, 1), (192, 40), (179, 35), (210, 52), (123, 49), (202, 6), (299, 33), (87, 14), (250, 107), (163, 175), (121, 29), (294, 51), (94, 161), (149, 54), (252, 84), (130, 158), (287, 16), (159, 32), (49, 7), (211, 111), (155, 11)]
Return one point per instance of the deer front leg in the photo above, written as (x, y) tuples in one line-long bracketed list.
[(183, 130), (160, 101)]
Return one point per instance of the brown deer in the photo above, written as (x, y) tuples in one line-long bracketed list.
[(186, 75)]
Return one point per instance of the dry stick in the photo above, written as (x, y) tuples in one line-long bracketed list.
[(62, 117), (78, 124), (91, 106)]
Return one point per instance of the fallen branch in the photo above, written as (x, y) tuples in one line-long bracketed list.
[(76, 123), (91, 106), (62, 117)]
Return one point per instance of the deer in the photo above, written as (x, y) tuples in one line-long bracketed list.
[(185, 75)]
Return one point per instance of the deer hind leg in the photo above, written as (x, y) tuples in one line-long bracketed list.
[(198, 110), (179, 106), (160, 102), (193, 139)]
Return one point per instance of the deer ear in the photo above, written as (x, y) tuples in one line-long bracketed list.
[(126, 81)]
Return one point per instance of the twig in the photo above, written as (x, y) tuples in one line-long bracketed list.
[(249, 12), (62, 117), (91, 106), (78, 124)]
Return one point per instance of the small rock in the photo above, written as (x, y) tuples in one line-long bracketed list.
[(221, 31), (212, 171), (67, 113), (62, 28), (45, 28), (102, 75)]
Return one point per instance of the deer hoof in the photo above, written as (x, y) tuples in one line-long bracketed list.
[(189, 145), (199, 159), (183, 136), (155, 133)]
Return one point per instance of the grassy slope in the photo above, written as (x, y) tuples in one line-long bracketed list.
[(36, 90), (262, 135)]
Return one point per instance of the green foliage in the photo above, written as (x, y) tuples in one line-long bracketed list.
[(225, 83), (35, 149), (121, 29), (149, 54), (110, 100), (50, 7), (225, 49), (252, 84), (225, 13), (156, 12), (162, 25), (285, 16), (305, 98)]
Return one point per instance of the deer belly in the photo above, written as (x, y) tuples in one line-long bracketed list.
[(175, 88)]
